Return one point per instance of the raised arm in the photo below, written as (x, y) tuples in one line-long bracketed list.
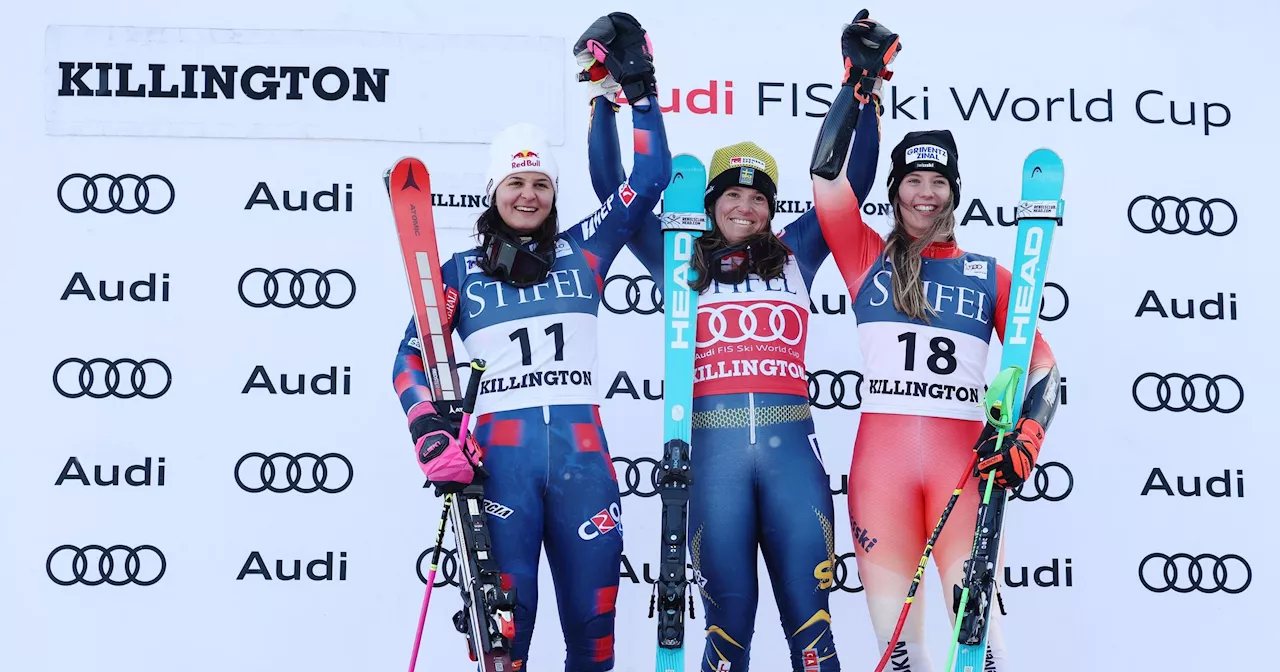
[(604, 155)]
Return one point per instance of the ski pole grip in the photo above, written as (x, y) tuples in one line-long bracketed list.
[(473, 386)]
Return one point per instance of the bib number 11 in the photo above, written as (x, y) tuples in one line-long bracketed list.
[(943, 358)]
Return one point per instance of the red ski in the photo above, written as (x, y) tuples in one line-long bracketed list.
[(487, 611)]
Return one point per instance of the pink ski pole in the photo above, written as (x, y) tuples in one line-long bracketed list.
[(468, 405)]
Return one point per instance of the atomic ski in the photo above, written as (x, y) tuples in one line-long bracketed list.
[(487, 609), (683, 222), (1039, 212)]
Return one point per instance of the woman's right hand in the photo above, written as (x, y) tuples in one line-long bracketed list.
[(622, 46)]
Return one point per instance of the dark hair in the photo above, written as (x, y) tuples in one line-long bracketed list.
[(490, 221), (768, 265)]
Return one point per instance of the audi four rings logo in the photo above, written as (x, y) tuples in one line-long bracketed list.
[(282, 472), (757, 322), (1184, 573), (1050, 489), (845, 579), (1194, 216), (446, 570), (95, 565), (308, 288), (124, 378), (637, 476), (1196, 392), (828, 389), (623, 294), (127, 194), (1053, 302)]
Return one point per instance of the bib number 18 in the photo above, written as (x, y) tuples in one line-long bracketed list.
[(942, 360)]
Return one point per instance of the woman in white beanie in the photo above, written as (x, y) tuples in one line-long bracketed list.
[(526, 300)]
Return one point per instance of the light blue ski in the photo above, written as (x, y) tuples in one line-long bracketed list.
[(683, 222), (1039, 212)]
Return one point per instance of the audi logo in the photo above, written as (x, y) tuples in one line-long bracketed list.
[(1184, 573), (623, 294), (843, 578), (256, 472), (313, 294), (1053, 302), (1196, 392), (637, 477), (99, 378), (446, 570), (757, 322), (116, 565), (1054, 490), (828, 389), (127, 194), (1215, 216)]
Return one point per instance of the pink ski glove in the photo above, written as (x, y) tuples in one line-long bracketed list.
[(446, 462)]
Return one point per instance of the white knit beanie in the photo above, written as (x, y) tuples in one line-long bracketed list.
[(519, 148)]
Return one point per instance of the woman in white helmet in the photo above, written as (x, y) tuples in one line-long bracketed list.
[(526, 300)]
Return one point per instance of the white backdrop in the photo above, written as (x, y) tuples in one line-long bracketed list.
[(442, 100)]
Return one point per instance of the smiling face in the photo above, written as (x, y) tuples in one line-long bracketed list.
[(524, 200), (920, 196), (741, 212)]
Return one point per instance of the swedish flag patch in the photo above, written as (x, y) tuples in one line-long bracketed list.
[(746, 176)]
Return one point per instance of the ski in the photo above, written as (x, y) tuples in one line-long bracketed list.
[(486, 617), (683, 222), (1039, 212)]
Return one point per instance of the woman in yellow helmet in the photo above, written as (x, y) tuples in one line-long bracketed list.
[(759, 479)]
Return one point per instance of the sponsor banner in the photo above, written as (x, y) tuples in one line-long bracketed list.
[(306, 84)]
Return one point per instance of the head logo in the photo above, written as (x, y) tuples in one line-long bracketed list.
[(525, 159), (746, 176)]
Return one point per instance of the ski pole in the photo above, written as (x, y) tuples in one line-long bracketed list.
[(924, 561), (1000, 395), (431, 579), (468, 405)]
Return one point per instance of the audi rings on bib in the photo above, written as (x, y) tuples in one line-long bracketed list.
[(1211, 216), (1220, 393), (130, 560), (638, 476), (446, 570), (1042, 486), (758, 322), (639, 295), (828, 389), (268, 475), (117, 190), (323, 288), (113, 375), (1185, 573)]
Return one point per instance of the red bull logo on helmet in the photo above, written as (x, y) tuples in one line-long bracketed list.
[(525, 159)]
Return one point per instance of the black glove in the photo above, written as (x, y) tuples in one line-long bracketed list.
[(618, 41), (869, 47)]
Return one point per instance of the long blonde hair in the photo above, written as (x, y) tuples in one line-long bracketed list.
[(905, 255)]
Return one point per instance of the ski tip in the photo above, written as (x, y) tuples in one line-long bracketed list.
[(670, 660)]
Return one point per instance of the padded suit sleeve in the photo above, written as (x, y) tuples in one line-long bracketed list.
[(629, 209), (838, 201), (1041, 399), (408, 373), (603, 151)]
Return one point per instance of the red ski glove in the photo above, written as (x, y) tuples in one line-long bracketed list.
[(1012, 464)]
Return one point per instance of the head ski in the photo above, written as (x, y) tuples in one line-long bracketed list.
[(683, 222), (487, 609), (1039, 212)]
